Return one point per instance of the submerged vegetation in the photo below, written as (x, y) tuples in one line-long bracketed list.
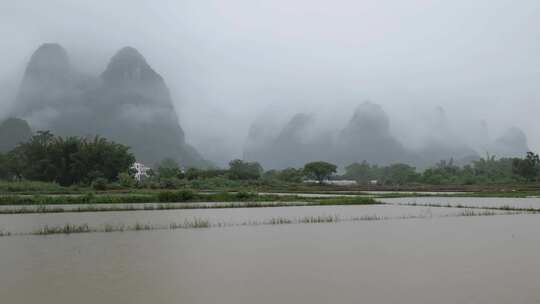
[(198, 222), (468, 207)]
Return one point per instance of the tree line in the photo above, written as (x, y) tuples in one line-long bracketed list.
[(489, 170), (77, 160), (66, 161)]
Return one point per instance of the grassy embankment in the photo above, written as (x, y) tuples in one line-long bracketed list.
[(165, 200)]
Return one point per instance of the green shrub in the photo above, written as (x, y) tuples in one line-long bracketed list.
[(126, 180), (99, 184), (30, 186), (170, 183), (242, 195), (88, 198), (176, 196)]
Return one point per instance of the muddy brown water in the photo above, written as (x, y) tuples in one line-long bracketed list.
[(439, 258), (485, 259)]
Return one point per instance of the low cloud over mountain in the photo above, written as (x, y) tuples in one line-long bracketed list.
[(129, 103)]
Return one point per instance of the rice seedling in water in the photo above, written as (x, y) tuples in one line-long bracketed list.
[(4, 233), (279, 221), (66, 229), (472, 212), (320, 219), (205, 223), (195, 223), (369, 218), (139, 226)]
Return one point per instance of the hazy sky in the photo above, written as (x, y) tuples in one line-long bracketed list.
[(228, 62)]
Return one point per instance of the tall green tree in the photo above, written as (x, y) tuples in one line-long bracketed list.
[(4, 171), (239, 169), (319, 170), (169, 168), (291, 175), (12, 132), (363, 172), (70, 160), (399, 174), (528, 167)]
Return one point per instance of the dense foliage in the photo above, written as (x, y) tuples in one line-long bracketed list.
[(288, 175), (239, 169), (393, 174), (100, 164), (66, 161), (319, 170), (12, 132), (487, 170), (527, 168)]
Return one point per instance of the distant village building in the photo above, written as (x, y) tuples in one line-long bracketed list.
[(141, 171), (340, 182)]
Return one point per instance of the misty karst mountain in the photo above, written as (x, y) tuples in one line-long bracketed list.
[(367, 136), (293, 146), (12, 132), (511, 143), (129, 103)]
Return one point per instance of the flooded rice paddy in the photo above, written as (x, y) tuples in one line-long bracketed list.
[(29, 223), (490, 202), (372, 254)]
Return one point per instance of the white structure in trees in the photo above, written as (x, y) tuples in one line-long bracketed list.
[(141, 171)]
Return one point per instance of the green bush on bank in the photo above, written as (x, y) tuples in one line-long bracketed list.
[(32, 186), (176, 196)]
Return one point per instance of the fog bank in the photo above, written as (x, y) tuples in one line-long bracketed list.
[(457, 72)]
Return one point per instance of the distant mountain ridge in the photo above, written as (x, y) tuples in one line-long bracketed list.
[(128, 103), (13, 131), (366, 136)]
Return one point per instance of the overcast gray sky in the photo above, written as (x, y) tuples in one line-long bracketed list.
[(227, 62)]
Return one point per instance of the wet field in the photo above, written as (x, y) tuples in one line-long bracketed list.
[(370, 253), (492, 202)]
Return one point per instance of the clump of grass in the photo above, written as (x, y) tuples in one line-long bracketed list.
[(242, 195), (65, 229), (4, 233), (176, 196), (31, 187), (279, 221), (194, 223), (112, 228), (355, 200), (139, 226), (320, 219), (472, 212), (369, 218)]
